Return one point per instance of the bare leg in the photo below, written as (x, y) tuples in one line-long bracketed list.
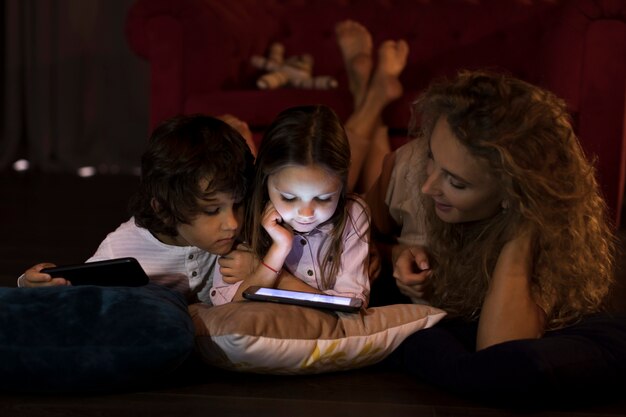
[(367, 133), (379, 147)]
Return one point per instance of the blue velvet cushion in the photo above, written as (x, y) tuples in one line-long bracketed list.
[(91, 338)]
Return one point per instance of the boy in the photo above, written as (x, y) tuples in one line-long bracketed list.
[(187, 211)]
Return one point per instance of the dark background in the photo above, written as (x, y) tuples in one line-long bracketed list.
[(48, 213)]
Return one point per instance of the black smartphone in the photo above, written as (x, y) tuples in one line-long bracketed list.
[(119, 272), (332, 302)]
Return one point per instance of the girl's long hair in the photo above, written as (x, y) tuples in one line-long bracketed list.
[(302, 136), (525, 135)]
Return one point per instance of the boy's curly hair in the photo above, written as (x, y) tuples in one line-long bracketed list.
[(182, 153)]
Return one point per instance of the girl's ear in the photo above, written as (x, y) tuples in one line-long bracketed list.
[(505, 204)]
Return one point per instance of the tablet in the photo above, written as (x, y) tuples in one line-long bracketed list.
[(332, 302), (120, 272)]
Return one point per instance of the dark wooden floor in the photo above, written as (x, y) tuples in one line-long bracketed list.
[(358, 393), (62, 218)]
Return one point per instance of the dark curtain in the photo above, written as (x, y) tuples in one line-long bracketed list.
[(72, 92)]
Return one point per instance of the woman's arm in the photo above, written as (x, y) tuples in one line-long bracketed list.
[(509, 311)]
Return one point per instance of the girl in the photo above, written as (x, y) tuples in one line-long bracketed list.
[(314, 237)]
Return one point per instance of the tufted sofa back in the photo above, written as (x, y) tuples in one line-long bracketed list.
[(199, 53)]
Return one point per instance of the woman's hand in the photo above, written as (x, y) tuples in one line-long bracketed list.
[(238, 264), (33, 277), (411, 270)]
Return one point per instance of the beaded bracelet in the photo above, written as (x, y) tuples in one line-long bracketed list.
[(269, 267)]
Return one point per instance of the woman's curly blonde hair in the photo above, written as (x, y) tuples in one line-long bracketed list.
[(525, 135)]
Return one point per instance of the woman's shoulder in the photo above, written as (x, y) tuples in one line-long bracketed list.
[(407, 159)]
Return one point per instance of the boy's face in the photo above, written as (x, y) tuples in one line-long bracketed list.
[(215, 228)]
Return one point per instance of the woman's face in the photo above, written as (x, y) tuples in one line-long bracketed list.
[(304, 196), (460, 184)]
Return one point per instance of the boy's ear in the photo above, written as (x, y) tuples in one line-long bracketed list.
[(156, 207)]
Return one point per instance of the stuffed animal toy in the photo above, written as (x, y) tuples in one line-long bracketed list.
[(295, 71)]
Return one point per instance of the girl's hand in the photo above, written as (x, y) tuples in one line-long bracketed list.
[(411, 270), (34, 278), (273, 224), (238, 264)]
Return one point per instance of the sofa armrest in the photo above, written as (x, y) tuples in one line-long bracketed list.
[(602, 115), (582, 60)]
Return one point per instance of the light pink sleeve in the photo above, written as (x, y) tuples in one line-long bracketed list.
[(222, 292)]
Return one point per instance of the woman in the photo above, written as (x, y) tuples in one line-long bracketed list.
[(502, 225)]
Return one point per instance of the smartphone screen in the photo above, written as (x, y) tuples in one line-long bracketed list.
[(332, 302)]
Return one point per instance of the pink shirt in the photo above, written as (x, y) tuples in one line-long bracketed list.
[(303, 261)]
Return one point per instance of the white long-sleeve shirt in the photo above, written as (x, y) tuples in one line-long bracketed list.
[(186, 269)]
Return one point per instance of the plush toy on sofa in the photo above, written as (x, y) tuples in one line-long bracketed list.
[(295, 71)]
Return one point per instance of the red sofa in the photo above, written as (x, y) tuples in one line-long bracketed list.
[(199, 54)]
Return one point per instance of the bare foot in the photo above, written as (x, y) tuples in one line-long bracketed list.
[(392, 56), (355, 43)]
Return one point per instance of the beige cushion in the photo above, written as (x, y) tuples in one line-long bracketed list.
[(286, 339)]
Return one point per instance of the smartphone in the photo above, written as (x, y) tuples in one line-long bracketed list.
[(332, 302), (119, 272)]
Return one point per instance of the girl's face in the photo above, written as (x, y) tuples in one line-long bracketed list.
[(304, 196), (460, 184)]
